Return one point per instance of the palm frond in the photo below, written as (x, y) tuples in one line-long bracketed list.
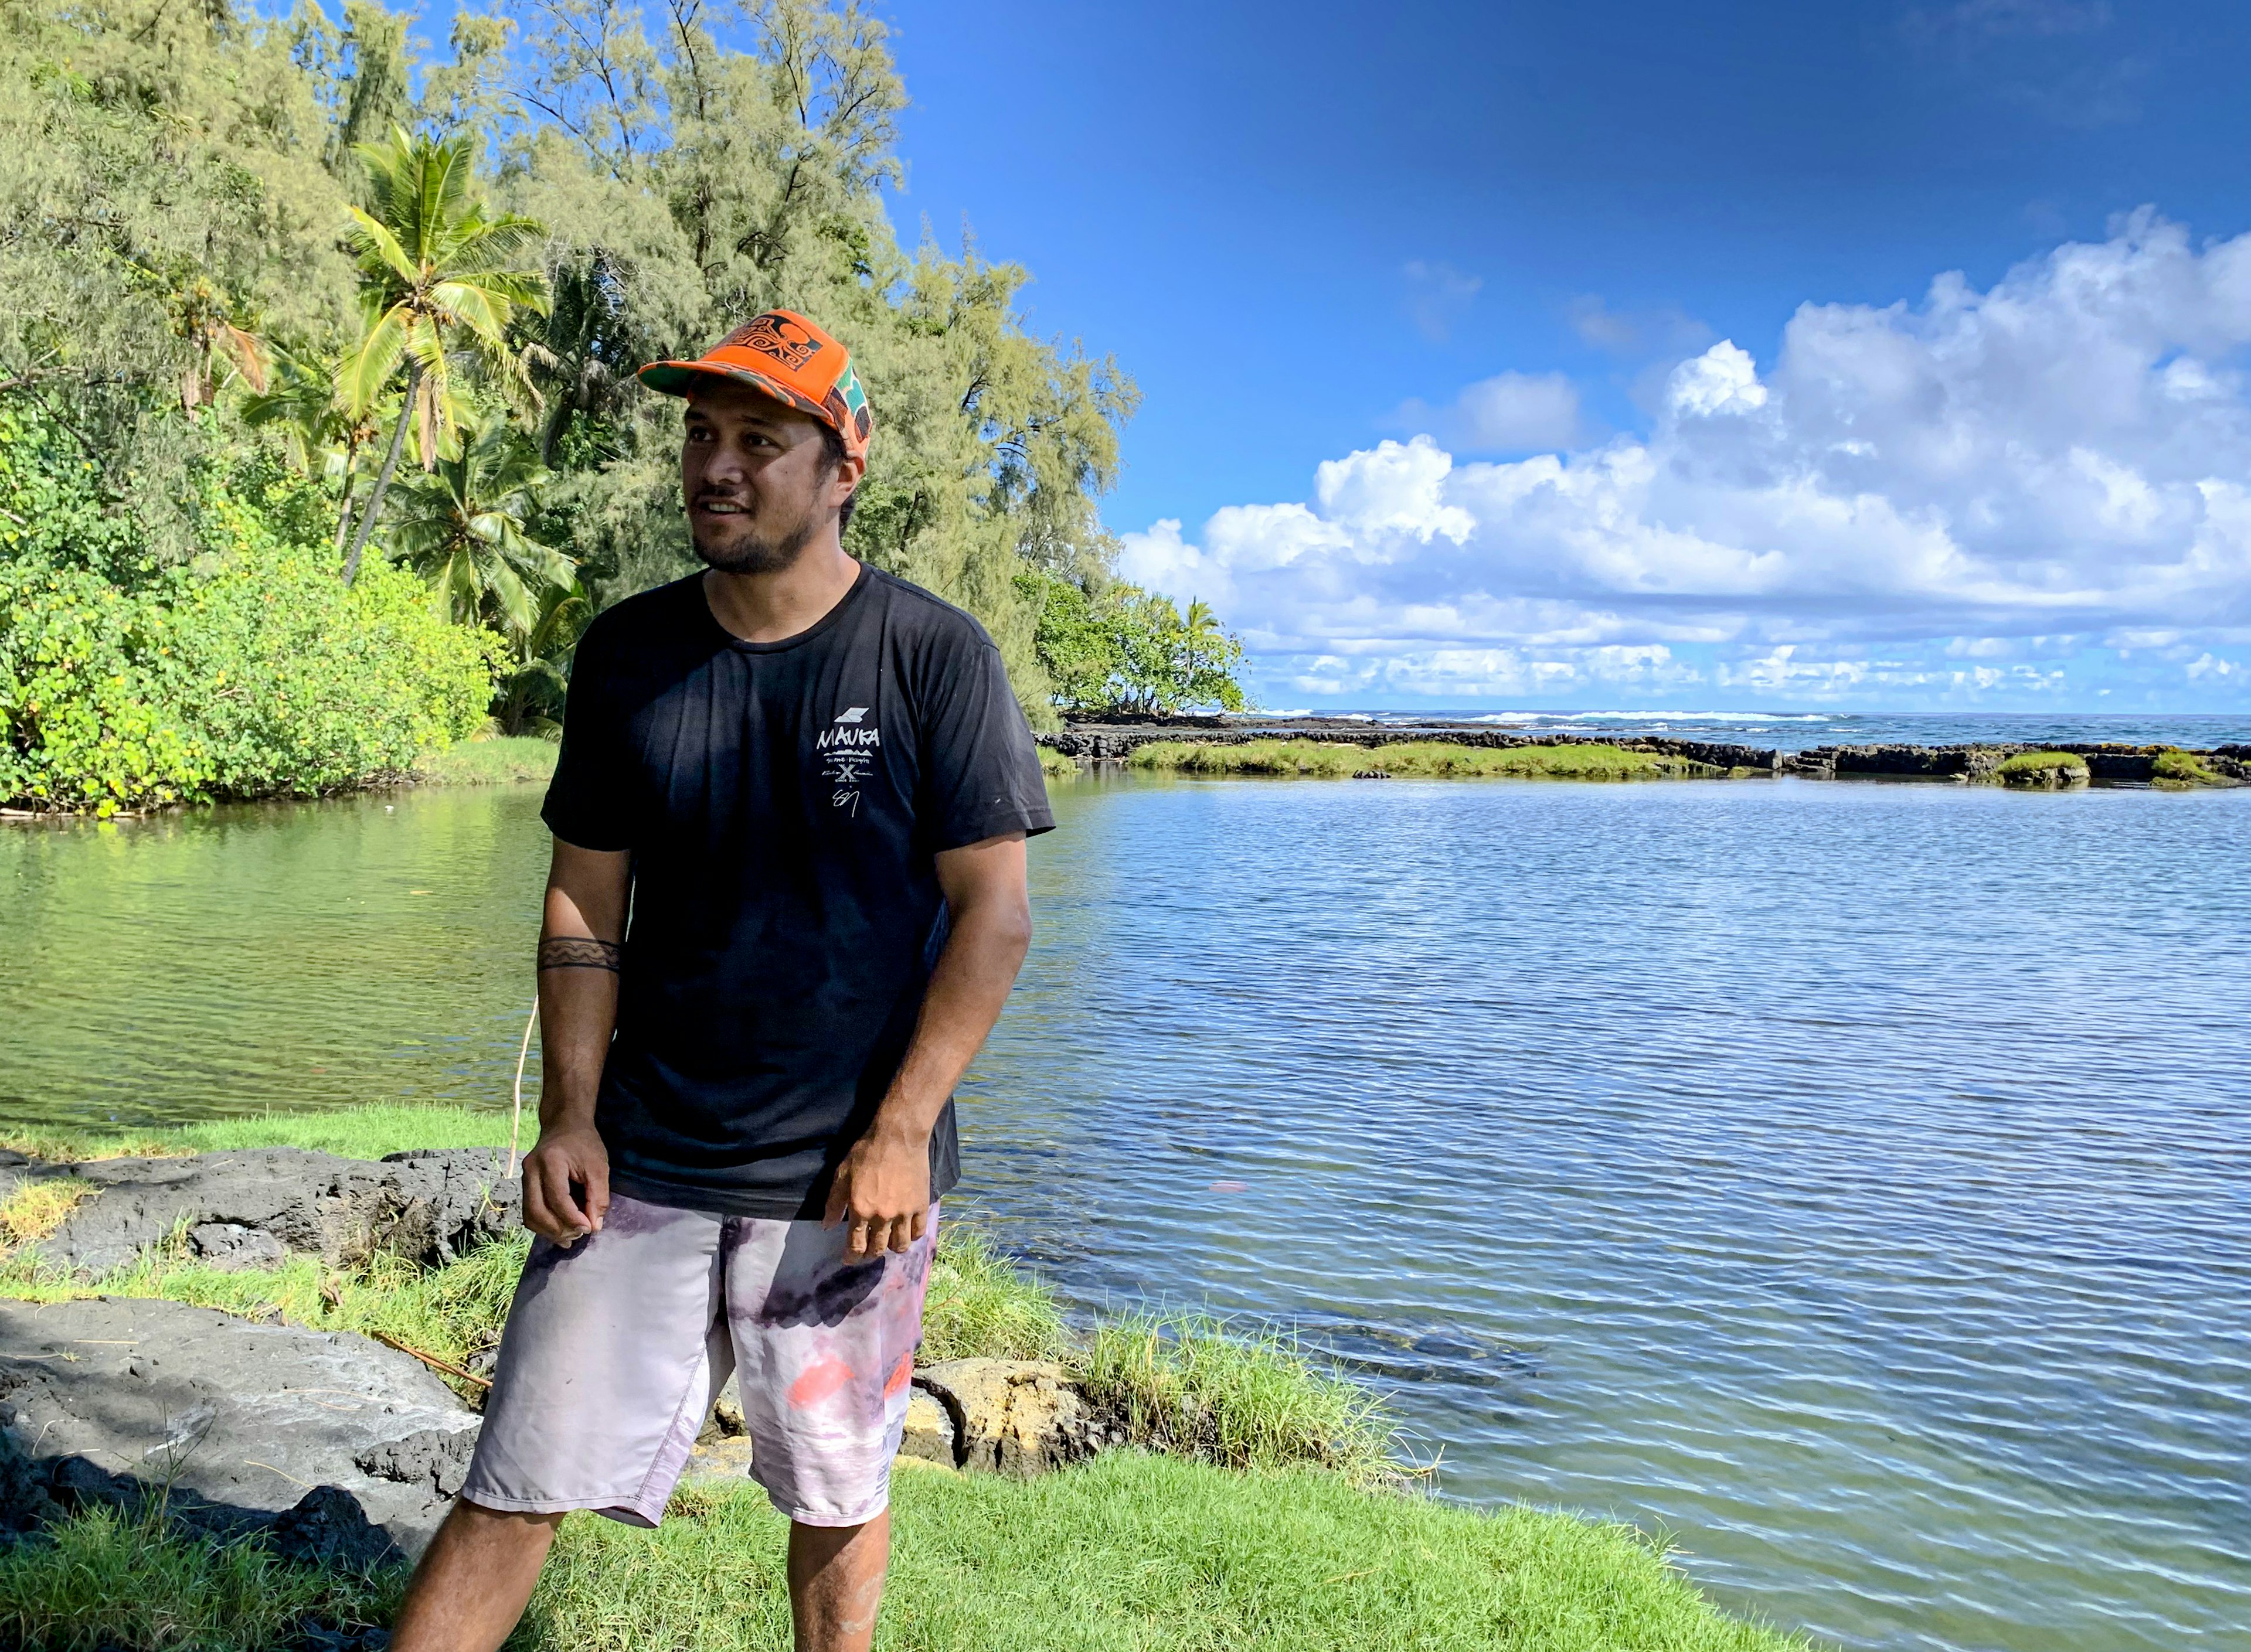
[(379, 249)]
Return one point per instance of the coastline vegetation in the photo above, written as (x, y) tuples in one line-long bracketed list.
[(319, 440), (2043, 769), (1132, 1552), (2185, 769), (501, 760), (1411, 759), (1260, 1502)]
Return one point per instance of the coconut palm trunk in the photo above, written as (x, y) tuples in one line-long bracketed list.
[(383, 476), (345, 496)]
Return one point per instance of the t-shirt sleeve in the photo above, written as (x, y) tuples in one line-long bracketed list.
[(980, 771), (586, 800)]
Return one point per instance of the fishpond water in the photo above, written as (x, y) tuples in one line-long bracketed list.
[(1851, 1180)]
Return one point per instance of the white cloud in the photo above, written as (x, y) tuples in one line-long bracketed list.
[(1438, 296), (1634, 333), (2063, 459), (1509, 412), (1724, 380)]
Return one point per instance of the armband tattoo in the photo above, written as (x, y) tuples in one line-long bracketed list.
[(580, 952)]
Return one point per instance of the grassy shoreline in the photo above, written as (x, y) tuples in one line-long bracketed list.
[(1261, 1503), (503, 761), (1413, 759)]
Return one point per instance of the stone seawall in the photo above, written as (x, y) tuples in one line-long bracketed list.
[(1095, 743)]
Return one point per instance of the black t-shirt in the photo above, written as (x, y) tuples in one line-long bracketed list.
[(783, 802)]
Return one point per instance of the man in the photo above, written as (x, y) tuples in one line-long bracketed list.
[(811, 786)]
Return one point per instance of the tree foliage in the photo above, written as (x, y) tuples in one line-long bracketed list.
[(241, 244), (1109, 647), (439, 279), (688, 184), (250, 670)]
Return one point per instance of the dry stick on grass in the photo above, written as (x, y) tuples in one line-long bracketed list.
[(431, 1360)]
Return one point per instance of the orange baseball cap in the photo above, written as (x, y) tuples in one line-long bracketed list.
[(785, 356)]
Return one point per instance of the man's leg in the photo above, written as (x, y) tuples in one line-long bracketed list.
[(476, 1579), (836, 1583)]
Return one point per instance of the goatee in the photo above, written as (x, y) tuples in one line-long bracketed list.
[(752, 555)]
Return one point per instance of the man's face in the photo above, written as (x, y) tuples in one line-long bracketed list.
[(756, 479)]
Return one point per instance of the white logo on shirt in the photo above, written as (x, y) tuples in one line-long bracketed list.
[(845, 758)]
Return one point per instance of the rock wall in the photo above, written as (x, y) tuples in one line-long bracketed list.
[(1115, 743), (1095, 742)]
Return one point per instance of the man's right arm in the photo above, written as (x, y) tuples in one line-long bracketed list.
[(581, 945)]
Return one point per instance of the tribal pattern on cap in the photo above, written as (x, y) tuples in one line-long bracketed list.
[(783, 355)]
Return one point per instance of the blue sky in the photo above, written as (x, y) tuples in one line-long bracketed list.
[(1548, 354)]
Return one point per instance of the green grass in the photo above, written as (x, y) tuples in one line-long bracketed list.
[(1196, 1387), (1185, 1383), (350, 1132), (1131, 1552), (451, 1312), (1411, 759), (979, 1304), (2185, 767), (1269, 1513), (1055, 766), (2042, 768), (102, 1579), (485, 762)]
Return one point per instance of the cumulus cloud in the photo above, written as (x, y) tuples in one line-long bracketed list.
[(2055, 468)]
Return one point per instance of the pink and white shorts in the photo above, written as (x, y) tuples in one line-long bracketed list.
[(616, 1348)]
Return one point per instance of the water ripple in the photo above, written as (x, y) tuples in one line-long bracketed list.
[(1852, 1181)]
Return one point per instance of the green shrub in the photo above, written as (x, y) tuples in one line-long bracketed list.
[(2043, 769), (249, 671), (2185, 767), (502, 760)]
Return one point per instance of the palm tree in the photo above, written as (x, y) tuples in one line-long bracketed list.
[(302, 399), (1210, 657), (465, 526), (531, 698), (438, 273)]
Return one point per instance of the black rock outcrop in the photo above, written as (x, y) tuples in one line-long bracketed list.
[(252, 1207), (341, 1448)]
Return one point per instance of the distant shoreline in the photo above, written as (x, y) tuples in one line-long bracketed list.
[(2107, 763)]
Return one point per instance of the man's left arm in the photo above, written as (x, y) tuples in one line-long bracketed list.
[(882, 1189)]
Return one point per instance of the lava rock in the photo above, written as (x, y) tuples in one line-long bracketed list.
[(247, 1208), (230, 1247), (339, 1448), (929, 1434), (1016, 1417)]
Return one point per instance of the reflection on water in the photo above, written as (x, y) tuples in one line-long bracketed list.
[(1853, 1180)]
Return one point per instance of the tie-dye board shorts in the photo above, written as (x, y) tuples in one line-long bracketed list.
[(616, 1348)]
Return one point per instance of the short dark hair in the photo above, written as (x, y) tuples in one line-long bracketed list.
[(832, 455)]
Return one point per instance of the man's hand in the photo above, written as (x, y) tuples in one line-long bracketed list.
[(883, 1186), (573, 1153), (881, 1192)]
